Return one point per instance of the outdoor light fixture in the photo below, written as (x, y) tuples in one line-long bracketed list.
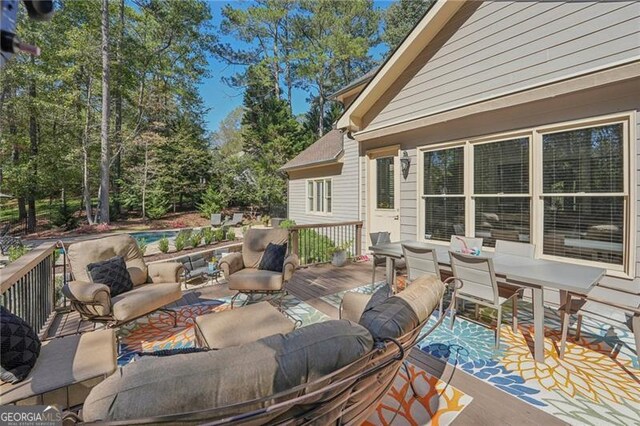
[(405, 162)]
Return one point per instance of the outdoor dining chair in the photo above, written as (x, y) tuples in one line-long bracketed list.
[(382, 238), (216, 220), (236, 220), (420, 261), (480, 286), (514, 249), (611, 307)]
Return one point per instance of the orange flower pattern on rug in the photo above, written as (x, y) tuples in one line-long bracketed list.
[(437, 403), (575, 374)]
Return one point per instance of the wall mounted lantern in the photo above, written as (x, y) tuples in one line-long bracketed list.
[(405, 162)]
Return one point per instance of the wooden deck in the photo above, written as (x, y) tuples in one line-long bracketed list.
[(490, 406)]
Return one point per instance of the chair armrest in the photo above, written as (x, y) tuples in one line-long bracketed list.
[(98, 296), (231, 263), (352, 305), (166, 272), (289, 266)]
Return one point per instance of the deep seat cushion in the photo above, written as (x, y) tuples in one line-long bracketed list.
[(144, 299), (206, 380), (255, 280), (20, 347), (403, 312), (242, 325), (273, 257), (112, 273)]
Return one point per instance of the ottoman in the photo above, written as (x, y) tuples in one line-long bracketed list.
[(238, 326)]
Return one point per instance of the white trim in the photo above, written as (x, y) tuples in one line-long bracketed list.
[(628, 119), (314, 182)]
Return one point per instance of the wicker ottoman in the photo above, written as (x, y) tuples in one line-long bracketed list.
[(242, 325)]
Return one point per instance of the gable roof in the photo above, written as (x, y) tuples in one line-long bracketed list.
[(440, 12), (354, 84), (325, 150)]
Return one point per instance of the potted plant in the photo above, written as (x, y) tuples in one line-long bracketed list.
[(339, 255)]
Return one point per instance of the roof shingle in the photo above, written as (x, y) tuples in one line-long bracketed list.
[(325, 150)]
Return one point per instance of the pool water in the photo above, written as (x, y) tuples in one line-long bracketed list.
[(152, 236)]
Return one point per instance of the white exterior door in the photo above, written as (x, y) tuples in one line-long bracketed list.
[(383, 198)]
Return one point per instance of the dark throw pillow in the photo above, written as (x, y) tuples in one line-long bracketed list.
[(112, 273), (19, 347), (378, 297), (273, 257)]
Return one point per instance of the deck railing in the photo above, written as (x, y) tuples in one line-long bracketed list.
[(313, 242), (28, 287)]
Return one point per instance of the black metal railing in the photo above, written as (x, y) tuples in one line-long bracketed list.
[(28, 287), (316, 243)]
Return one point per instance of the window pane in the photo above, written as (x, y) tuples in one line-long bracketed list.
[(503, 218), (444, 216), (501, 167), (444, 171), (589, 228), (328, 192), (310, 195), (585, 160), (384, 183), (319, 196)]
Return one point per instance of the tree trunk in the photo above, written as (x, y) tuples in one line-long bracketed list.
[(104, 128), (320, 110), (33, 165), (144, 179), (15, 157), (86, 193), (118, 112)]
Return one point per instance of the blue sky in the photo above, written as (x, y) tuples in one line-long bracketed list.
[(220, 99)]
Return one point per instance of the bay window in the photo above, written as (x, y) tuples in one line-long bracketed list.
[(564, 189)]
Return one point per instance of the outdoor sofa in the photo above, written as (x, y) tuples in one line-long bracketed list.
[(325, 373), (154, 286)]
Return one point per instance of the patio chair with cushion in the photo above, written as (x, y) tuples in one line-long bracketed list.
[(611, 307), (332, 372), (248, 274), (154, 286)]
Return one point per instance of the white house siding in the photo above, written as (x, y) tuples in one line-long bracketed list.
[(345, 181), (489, 49), (605, 100)]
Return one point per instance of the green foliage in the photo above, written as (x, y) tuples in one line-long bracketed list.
[(287, 223), (213, 201), (163, 244), (219, 234), (63, 217), (181, 241), (340, 247), (16, 252), (400, 18), (208, 236), (142, 245), (231, 235), (314, 247), (196, 239), (157, 205), (265, 219)]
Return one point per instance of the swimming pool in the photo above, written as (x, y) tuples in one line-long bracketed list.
[(152, 236)]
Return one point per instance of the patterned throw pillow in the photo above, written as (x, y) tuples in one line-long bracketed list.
[(19, 347), (273, 257), (113, 273)]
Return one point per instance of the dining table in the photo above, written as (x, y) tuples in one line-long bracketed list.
[(536, 274)]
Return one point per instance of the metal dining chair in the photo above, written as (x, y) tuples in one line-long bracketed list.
[(514, 249), (612, 307), (420, 261), (480, 286), (382, 238)]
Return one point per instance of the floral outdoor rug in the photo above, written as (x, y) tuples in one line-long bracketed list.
[(597, 382), (437, 403)]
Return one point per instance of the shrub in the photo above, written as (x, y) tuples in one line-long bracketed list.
[(163, 244), (181, 241), (208, 235), (219, 234), (265, 219), (314, 247), (16, 252), (157, 204), (63, 217), (287, 223), (195, 239), (231, 235), (213, 201), (142, 244)]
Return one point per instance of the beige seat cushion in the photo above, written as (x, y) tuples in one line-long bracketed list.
[(242, 325), (64, 362), (255, 241), (155, 386), (144, 299), (256, 280), (82, 253)]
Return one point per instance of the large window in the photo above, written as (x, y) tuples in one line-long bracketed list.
[(319, 196), (501, 190), (583, 192), (564, 189), (443, 193)]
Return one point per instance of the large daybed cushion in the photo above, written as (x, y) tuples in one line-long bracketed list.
[(155, 386)]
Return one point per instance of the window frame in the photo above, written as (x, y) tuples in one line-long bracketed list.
[(535, 134), (311, 199)]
